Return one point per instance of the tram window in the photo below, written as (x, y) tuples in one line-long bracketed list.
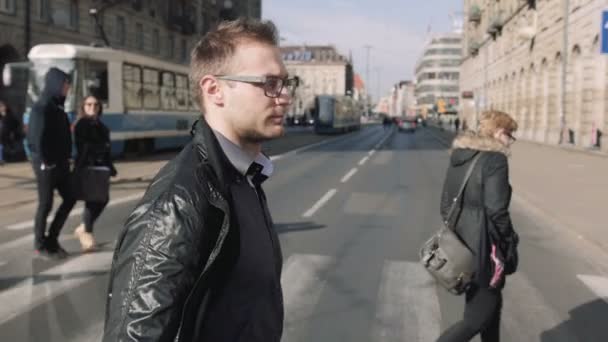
[(167, 91), (181, 90), (132, 86), (151, 89), (96, 80)]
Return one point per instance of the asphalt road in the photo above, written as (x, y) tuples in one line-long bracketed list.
[(351, 214)]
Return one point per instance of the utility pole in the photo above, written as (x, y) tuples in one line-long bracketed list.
[(367, 79), (378, 84)]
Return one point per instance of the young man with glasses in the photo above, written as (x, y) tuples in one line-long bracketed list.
[(199, 259)]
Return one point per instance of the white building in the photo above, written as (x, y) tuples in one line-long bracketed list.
[(438, 73)]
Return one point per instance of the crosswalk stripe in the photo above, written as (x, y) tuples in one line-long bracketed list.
[(302, 286), (408, 306), (526, 314), (45, 286), (92, 333)]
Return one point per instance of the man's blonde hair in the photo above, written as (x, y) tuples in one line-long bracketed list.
[(493, 120), (213, 53)]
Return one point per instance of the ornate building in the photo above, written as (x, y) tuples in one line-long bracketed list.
[(157, 28), (539, 61), (322, 71)]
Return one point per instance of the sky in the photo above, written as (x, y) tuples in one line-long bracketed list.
[(396, 30)]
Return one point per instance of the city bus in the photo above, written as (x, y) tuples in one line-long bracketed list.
[(147, 103), (336, 114)]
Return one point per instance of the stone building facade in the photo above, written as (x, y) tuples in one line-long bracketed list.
[(322, 71), (539, 61), (157, 28)]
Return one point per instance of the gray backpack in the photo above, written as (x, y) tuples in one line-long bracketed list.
[(445, 256)]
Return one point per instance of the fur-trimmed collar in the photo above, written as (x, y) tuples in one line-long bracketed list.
[(473, 141)]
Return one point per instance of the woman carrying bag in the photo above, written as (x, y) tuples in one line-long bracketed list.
[(483, 222), (93, 167)]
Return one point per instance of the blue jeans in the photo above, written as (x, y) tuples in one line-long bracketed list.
[(1, 153)]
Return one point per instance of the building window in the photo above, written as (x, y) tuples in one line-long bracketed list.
[(120, 30), (184, 56), (101, 22), (65, 14), (139, 36), (7, 6), (155, 41), (171, 46), (42, 10)]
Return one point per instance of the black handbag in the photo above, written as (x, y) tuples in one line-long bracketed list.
[(445, 256), (92, 184)]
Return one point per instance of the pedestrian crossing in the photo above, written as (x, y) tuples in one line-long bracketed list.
[(407, 305)]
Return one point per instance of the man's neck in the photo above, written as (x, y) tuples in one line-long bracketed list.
[(252, 149)]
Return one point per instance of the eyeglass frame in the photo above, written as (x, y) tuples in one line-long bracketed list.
[(261, 80), (510, 136)]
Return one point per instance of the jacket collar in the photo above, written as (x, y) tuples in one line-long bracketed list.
[(210, 151), (472, 141)]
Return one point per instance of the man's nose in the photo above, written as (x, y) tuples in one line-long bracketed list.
[(284, 98)]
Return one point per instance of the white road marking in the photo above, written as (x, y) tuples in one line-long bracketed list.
[(408, 306), (45, 286), (320, 203), (75, 212), (598, 285), (348, 175), (363, 161), (302, 287), (526, 314)]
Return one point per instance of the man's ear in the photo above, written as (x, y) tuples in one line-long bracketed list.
[(212, 90)]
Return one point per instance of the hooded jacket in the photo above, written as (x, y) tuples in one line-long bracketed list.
[(48, 135), (483, 218)]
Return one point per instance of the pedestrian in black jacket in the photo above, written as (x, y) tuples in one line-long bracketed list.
[(483, 223), (199, 259), (50, 143), (93, 151)]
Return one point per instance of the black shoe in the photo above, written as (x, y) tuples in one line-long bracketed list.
[(55, 250)]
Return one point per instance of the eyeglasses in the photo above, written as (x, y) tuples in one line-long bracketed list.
[(272, 85)]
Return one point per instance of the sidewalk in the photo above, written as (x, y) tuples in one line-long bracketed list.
[(18, 184), (567, 188)]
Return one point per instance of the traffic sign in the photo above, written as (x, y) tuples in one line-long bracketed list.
[(604, 32)]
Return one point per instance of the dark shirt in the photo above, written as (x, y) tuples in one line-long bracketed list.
[(248, 304)]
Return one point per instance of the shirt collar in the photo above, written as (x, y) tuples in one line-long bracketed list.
[(240, 159)]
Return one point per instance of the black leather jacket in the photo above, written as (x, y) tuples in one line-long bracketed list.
[(173, 248)]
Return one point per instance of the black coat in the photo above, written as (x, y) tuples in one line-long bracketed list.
[(92, 140), (178, 242), (49, 136), (483, 215), (10, 129)]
